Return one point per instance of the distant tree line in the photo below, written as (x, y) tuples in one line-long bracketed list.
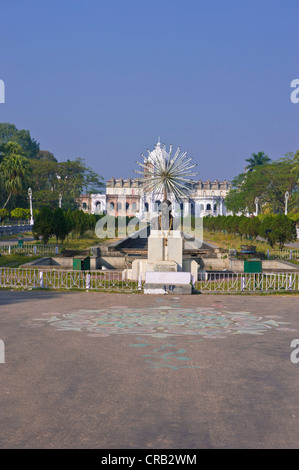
[(17, 213), (278, 228), (268, 181), (23, 164), (59, 223)]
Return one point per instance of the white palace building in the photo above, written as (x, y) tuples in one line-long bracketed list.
[(126, 197)]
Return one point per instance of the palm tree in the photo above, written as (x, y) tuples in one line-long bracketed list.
[(14, 170), (257, 159)]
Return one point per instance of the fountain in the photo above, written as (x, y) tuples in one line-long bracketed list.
[(166, 176)]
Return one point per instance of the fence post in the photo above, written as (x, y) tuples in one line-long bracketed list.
[(268, 254), (9, 250), (242, 283), (34, 249), (2, 352), (41, 279), (56, 250), (291, 254), (88, 281)]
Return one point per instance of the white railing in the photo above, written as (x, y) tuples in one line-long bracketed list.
[(30, 248), (283, 254), (114, 281), (250, 282), (14, 229), (65, 279), (13, 223)]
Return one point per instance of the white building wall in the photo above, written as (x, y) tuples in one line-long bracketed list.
[(98, 203)]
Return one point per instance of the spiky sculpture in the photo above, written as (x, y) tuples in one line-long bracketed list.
[(167, 174)]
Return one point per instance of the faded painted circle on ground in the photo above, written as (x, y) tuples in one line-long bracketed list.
[(160, 322)]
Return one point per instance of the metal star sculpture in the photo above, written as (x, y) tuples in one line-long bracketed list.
[(167, 174)]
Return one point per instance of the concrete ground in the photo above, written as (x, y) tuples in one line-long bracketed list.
[(133, 371)]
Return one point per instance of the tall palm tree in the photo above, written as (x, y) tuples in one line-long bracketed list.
[(14, 171), (257, 159)]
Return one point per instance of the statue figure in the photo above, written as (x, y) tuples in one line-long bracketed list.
[(165, 219)]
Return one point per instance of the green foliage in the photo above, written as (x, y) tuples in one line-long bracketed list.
[(20, 213), (14, 170), (47, 177), (294, 216), (4, 213), (60, 225), (9, 133), (45, 155), (269, 183), (274, 228), (79, 222), (44, 224), (278, 229), (51, 178), (257, 159)]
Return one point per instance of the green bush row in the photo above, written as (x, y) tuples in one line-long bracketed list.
[(278, 228)]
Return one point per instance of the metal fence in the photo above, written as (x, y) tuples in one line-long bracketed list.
[(66, 279), (283, 254), (30, 248), (114, 281), (14, 229), (250, 282)]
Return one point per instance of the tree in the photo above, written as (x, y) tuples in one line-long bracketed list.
[(7, 130), (51, 178), (269, 183), (79, 222), (44, 224), (75, 177), (9, 133), (257, 159), (3, 214), (278, 229), (30, 146), (20, 213), (15, 171), (60, 225), (45, 155), (236, 201)]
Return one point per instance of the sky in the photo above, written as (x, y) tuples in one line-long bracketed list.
[(104, 79)]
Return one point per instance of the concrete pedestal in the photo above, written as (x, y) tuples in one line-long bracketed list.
[(164, 246), (167, 283)]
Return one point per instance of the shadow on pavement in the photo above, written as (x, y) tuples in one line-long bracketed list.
[(6, 297)]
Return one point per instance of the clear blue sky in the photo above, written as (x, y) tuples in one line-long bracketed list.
[(103, 79)]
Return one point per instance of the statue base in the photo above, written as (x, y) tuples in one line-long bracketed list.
[(163, 246), (167, 283)]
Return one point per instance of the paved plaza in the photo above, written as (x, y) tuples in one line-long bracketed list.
[(130, 371)]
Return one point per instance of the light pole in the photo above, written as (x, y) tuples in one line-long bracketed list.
[(256, 205), (60, 199), (30, 201), (286, 197)]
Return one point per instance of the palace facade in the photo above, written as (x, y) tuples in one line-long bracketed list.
[(126, 197)]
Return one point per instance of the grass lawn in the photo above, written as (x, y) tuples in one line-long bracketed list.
[(227, 241), (81, 243), (72, 243), (15, 260), (293, 261)]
